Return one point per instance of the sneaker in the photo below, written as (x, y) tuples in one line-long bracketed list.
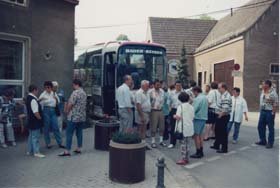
[(39, 155), (170, 146), (154, 145), (234, 142), (182, 162), (4, 145), (269, 146), (14, 144), (163, 144)]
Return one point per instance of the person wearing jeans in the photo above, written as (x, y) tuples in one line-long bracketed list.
[(71, 127), (35, 122), (49, 100), (76, 116), (239, 107), (268, 109)]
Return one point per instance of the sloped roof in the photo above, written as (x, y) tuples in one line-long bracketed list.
[(173, 32), (233, 26)]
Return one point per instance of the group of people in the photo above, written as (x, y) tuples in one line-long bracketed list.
[(45, 114), (178, 114)]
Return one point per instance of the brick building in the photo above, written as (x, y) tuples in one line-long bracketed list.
[(248, 37), (36, 43)]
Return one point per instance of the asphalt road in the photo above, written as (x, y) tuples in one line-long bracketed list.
[(245, 166)]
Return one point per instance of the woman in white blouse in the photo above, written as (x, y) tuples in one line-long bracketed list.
[(184, 124), (48, 99)]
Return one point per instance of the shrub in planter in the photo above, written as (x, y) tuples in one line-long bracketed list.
[(127, 137), (127, 157)]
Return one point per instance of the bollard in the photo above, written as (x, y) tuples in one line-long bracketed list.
[(160, 178)]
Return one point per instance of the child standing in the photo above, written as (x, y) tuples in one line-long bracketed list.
[(184, 124)]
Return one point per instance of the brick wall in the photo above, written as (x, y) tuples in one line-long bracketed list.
[(49, 27), (261, 49)]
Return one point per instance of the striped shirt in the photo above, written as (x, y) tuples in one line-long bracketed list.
[(224, 103)]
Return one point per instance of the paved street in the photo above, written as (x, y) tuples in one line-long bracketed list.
[(245, 166), (87, 170)]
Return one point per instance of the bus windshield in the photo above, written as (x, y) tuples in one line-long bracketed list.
[(142, 63)]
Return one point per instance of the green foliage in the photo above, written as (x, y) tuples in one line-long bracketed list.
[(127, 137), (206, 17), (183, 68), (122, 37)]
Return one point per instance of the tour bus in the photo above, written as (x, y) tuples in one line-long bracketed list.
[(103, 66)]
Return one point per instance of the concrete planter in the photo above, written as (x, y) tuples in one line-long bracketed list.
[(127, 162)]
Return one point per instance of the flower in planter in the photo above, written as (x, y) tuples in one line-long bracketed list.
[(128, 136)]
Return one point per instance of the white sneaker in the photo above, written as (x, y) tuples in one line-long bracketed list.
[(4, 145), (39, 155), (170, 146), (14, 144), (234, 142)]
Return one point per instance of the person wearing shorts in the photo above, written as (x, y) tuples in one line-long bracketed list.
[(143, 108), (200, 104)]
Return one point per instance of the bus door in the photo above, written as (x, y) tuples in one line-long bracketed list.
[(109, 84)]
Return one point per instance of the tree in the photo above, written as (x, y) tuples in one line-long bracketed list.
[(206, 17), (183, 68), (122, 37)]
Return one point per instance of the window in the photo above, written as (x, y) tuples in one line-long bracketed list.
[(199, 79), (205, 77), (94, 69), (17, 2), (12, 66), (210, 77), (274, 68), (142, 63)]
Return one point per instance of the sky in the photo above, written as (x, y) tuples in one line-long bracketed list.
[(91, 13)]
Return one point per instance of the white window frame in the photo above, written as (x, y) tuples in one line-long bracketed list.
[(16, 3), (270, 65), (17, 82)]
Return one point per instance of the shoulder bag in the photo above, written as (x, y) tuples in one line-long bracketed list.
[(179, 135)]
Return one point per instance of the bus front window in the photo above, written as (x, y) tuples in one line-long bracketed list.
[(141, 66)]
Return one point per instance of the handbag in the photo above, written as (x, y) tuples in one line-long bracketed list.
[(57, 110), (179, 135)]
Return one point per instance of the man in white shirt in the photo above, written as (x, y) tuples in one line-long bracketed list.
[(212, 97), (239, 107), (143, 108), (157, 117), (123, 97), (190, 92)]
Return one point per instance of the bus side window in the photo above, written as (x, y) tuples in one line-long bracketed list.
[(95, 67), (109, 72)]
